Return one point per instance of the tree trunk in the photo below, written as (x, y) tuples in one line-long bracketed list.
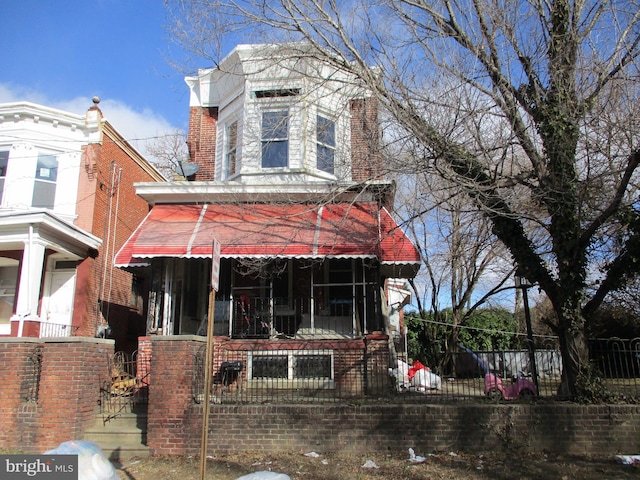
[(580, 381), (448, 365)]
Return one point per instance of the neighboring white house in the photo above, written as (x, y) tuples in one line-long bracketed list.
[(40, 151), (56, 181)]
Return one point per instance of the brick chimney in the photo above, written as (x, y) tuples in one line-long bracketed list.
[(365, 141), (201, 141)]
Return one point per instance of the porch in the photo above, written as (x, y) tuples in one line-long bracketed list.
[(292, 318)]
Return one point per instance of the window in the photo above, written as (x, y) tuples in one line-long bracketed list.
[(326, 143), (4, 160), (8, 282), (231, 148), (292, 366), (44, 189), (275, 139)]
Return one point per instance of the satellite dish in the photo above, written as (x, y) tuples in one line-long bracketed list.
[(189, 168)]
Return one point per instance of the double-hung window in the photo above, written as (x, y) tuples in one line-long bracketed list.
[(275, 138), (4, 160), (231, 148), (44, 188), (326, 144)]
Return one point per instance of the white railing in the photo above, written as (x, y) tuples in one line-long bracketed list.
[(49, 330)]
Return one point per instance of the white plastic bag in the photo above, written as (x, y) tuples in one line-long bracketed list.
[(265, 475), (92, 463), (426, 380)]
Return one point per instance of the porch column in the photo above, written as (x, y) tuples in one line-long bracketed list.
[(30, 281)]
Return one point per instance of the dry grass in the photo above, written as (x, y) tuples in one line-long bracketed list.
[(340, 466)]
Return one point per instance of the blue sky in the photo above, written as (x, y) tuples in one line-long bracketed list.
[(61, 53)]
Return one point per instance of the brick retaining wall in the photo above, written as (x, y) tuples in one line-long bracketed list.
[(570, 429), (175, 421), (39, 411), (72, 371)]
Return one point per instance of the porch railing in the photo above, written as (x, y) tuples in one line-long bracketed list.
[(49, 330), (297, 318)]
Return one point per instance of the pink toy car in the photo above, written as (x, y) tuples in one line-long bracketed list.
[(519, 388)]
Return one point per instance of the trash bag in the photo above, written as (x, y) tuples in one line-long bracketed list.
[(92, 463), (426, 380), (401, 374), (265, 475)]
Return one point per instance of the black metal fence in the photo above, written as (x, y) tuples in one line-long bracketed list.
[(337, 374), (304, 374)]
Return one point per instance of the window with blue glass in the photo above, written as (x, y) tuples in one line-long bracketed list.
[(275, 139), (326, 144)]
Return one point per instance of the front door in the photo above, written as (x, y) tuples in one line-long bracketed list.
[(58, 308)]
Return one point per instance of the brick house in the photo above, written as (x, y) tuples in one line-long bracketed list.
[(285, 173), (67, 204)]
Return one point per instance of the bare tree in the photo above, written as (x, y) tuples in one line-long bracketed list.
[(168, 152), (464, 263), (557, 82)]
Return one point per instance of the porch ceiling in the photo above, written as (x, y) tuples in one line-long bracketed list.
[(337, 230)]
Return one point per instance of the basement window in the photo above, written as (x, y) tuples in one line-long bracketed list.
[(290, 366)]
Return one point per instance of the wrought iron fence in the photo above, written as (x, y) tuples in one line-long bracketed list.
[(337, 373), (30, 386), (618, 360), (305, 374)]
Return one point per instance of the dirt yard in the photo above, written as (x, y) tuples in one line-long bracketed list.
[(396, 466)]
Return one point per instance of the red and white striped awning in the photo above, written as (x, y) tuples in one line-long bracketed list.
[(336, 230)]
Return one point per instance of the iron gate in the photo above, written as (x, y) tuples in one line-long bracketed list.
[(126, 389)]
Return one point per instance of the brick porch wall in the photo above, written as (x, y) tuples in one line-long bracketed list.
[(72, 371), (170, 425)]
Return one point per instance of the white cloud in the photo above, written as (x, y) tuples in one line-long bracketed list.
[(139, 127)]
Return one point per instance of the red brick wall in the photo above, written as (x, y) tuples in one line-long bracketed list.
[(563, 429), (16, 415), (201, 141), (71, 374), (101, 290), (175, 420), (170, 424), (365, 141)]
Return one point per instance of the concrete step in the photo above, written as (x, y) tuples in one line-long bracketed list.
[(122, 437), (117, 452)]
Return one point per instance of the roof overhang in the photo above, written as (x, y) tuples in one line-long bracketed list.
[(268, 230), (256, 190), (19, 227)]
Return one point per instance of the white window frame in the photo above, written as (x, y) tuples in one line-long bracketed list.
[(291, 381), (265, 141), (40, 179), (231, 149), (4, 165), (323, 144)]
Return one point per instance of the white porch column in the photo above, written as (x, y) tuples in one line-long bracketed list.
[(30, 279)]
